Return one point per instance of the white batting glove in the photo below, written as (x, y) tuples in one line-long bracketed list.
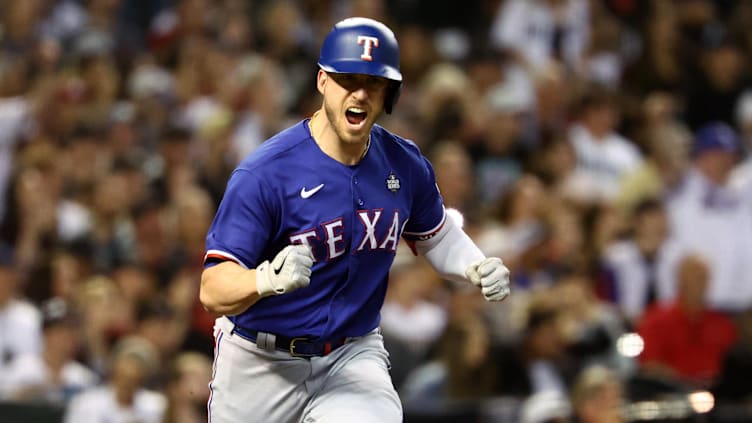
[(491, 276), (288, 271)]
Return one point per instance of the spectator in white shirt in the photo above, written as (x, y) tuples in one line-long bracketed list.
[(630, 265), (15, 117), (542, 31), (123, 399), (712, 218), (20, 321), (54, 375), (601, 152)]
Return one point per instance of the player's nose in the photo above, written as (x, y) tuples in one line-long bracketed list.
[(360, 93)]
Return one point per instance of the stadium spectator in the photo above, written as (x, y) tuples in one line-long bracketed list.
[(542, 31), (465, 367), (706, 206), (684, 340), (53, 376), (600, 150), (122, 398), (414, 295), (598, 396), (21, 320), (630, 266), (187, 388), (713, 96)]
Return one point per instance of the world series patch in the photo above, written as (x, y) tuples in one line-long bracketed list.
[(392, 183)]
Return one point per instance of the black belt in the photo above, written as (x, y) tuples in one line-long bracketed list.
[(296, 346)]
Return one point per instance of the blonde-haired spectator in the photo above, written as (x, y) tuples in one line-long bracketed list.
[(598, 396), (123, 398), (187, 388), (105, 314), (666, 141)]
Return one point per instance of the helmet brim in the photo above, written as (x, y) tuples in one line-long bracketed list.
[(363, 68)]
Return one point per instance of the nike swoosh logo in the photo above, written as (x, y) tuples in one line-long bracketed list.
[(279, 268), (307, 193)]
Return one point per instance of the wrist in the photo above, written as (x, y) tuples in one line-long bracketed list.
[(264, 287)]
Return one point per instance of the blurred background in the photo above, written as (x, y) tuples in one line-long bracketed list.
[(601, 148)]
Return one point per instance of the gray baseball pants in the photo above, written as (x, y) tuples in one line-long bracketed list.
[(254, 384)]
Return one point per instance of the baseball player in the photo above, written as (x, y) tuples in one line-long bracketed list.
[(299, 251)]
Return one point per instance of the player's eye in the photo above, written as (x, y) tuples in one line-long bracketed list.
[(352, 82), (375, 83), (345, 80)]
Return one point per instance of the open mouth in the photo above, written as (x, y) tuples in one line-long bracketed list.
[(355, 115)]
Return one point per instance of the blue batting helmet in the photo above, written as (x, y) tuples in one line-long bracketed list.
[(363, 46)]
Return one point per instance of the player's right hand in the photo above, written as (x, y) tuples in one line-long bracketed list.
[(288, 271)]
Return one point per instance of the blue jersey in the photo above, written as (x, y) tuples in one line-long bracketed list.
[(288, 191)]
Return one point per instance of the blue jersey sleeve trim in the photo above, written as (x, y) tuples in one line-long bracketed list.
[(218, 256), (422, 236)]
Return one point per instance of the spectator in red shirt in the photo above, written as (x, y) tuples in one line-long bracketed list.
[(685, 340)]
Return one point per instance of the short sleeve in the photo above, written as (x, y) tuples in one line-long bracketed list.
[(427, 214), (242, 227)]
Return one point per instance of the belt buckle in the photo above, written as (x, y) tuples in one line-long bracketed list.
[(292, 347)]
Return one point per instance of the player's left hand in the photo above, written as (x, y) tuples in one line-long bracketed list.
[(491, 276)]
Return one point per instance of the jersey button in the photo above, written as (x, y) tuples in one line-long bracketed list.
[(355, 181), (360, 201)]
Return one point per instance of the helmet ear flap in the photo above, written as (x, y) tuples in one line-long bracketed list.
[(392, 95)]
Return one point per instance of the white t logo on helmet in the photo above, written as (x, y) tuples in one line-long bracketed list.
[(368, 44)]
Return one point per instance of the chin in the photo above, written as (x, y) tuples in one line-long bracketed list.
[(357, 134)]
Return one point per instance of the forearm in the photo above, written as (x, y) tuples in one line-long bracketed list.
[(450, 251), (228, 288)]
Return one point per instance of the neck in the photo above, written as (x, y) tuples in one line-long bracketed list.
[(124, 396), (691, 309), (331, 144), (647, 247), (597, 132), (54, 362)]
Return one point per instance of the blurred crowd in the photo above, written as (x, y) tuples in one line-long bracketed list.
[(600, 147)]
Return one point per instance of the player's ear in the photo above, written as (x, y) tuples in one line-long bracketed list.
[(321, 80)]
